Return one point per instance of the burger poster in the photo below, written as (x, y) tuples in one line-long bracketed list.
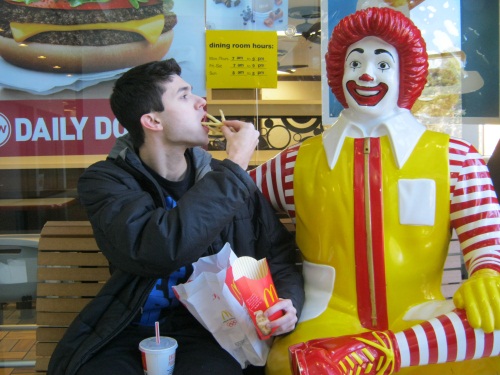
[(83, 36), (60, 58)]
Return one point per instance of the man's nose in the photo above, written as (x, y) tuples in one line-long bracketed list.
[(366, 77), (201, 102)]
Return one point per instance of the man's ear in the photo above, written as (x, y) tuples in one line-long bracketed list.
[(150, 121)]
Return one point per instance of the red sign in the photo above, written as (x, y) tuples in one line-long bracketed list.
[(57, 127)]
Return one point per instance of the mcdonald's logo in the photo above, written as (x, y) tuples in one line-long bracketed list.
[(228, 319), (226, 315), (236, 291), (271, 293)]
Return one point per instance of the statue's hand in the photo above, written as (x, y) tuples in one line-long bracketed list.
[(480, 297)]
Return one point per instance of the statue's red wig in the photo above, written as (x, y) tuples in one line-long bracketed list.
[(394, 28)]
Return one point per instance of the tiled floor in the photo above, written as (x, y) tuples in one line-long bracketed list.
[(17, 345)]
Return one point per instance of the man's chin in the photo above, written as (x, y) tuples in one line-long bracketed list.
[(203, 144)]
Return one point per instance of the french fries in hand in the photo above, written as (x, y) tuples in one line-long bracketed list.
[(214, 124)]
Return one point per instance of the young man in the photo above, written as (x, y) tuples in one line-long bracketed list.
[(375, 198), (158, 205)]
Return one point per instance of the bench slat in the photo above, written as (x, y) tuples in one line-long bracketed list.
[(67, 228), (73, 259), (449, 290), (453, 262), (41, 365), (50, 334), (67, 244), (89, 289), (55, 319), (45, 349), (62, 304), (73, 274)]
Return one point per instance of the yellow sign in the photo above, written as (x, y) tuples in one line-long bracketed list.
[(242, 59)]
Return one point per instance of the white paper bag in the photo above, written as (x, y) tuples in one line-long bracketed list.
[(208, 296)]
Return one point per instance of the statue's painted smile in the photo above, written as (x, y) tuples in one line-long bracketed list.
[(367, 96)]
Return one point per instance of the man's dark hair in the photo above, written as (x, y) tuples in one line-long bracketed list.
[(139, 91)]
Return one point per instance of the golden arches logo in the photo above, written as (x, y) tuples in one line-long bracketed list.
[(226, 315), (228, 319), (271, 293), (236, 291)]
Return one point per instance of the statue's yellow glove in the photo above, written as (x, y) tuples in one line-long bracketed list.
[(480, 297)]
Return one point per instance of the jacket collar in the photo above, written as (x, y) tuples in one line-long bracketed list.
[(124, 149), (402, 128)]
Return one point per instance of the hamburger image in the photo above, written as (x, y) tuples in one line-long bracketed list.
[(83, 36)]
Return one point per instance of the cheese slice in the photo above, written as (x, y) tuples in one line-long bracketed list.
[(149, 28)]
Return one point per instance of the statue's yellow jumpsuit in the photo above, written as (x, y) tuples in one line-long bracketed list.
[(383, 268)]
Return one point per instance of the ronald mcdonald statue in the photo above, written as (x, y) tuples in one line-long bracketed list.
[(375, 199)]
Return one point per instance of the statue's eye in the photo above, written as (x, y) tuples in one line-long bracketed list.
[(383, 65), (355, 64)]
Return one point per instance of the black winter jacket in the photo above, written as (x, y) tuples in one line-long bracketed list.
[(143, 241)]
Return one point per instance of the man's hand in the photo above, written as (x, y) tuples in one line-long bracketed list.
[(480, 297), (285, 323), (242, 139)]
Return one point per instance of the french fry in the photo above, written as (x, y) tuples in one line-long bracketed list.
[(214, 124), (213, 119)]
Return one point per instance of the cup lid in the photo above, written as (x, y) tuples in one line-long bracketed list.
[(150, 344)]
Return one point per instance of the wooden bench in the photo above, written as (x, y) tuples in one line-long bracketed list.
[(71, 270)]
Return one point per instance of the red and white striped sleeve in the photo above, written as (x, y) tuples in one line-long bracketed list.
[(474, 208), (275, 179)]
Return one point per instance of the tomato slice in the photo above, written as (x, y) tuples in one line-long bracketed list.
[(83, 4)]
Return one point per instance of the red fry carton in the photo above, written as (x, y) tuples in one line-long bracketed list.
[(255, 285)]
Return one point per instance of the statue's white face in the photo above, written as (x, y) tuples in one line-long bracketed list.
[(371, 77)]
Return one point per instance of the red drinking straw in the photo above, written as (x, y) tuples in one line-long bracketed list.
[(157, 332)]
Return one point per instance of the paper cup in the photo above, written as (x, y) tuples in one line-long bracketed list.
[(158, 359)]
